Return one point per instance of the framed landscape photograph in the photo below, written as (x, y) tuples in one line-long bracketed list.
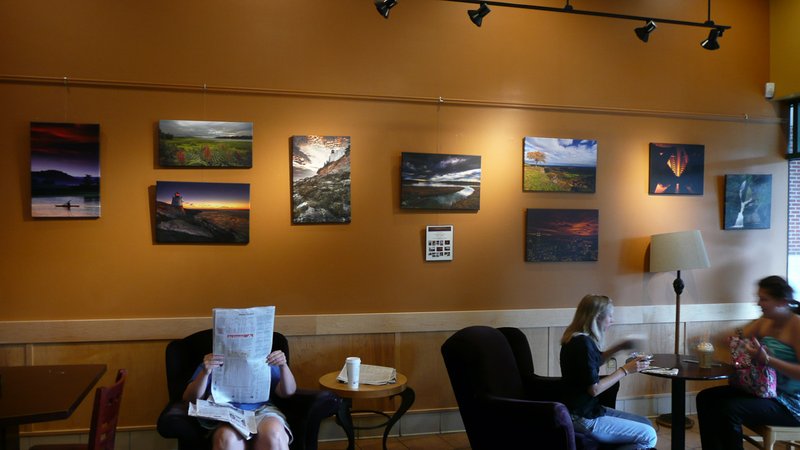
[(436, 181), (320, 179), (202, 212), (559, 165), (676, 169), (561, 235), (197, 143), (65, 170), (748, 201)]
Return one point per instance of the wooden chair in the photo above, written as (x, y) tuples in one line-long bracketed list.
[(105, 414), (772, 434)]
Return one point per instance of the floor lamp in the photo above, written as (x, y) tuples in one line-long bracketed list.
[(673, 252)]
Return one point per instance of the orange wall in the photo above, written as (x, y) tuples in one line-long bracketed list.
[(784, 47), (572, 77)]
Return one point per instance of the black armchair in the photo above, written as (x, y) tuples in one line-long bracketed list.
[(503, 403), (304, 410)]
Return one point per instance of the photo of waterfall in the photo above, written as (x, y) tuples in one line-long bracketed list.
[(748, 201)]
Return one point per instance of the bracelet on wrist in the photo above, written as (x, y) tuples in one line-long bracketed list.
[(624, 371)]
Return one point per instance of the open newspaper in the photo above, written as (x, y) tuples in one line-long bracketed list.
[(375, 375), (244, 338)]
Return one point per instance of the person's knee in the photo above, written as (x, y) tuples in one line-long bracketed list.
[(651, 437), (226, 438), (272, 435)]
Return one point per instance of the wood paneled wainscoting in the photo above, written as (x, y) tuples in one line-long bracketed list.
[(320, 343)]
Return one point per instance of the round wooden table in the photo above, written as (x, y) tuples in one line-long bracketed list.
[(366, 391), (688, 369)]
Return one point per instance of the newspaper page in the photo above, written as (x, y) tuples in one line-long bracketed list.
[(244, 337), (375, 375), (243, 421)]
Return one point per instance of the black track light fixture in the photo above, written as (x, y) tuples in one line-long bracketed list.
[(643, 33), (477, 15), (384, 6), (710, 43)]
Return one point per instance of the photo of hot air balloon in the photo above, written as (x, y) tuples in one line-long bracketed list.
[(676, 169)]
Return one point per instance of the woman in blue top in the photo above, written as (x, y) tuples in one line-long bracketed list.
[(581, 358), (273, 431), (722, 410)]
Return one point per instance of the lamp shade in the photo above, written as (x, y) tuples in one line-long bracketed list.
[(681, 250)]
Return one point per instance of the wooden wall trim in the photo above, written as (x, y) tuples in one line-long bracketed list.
[(164, 328)]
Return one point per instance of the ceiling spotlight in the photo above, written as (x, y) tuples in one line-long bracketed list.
[(476, 15), (383, 7), (643, 33), (710, 43)]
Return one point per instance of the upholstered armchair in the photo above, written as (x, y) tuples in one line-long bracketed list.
[(304, 410), (503, 403)]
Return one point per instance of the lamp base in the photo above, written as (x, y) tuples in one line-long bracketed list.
[(665, 420)]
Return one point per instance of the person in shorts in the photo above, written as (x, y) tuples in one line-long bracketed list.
[(273, 431)]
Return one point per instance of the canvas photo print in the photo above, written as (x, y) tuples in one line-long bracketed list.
[(320, 179), (437, 181), (202, 212), (65, 170), (748, 201), (676, 169), (559, 165), (197, 143), (561, 235)]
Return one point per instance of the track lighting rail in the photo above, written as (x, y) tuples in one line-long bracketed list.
[(570, 10)]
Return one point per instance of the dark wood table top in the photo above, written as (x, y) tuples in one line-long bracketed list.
[(689, 367), (42, 393)]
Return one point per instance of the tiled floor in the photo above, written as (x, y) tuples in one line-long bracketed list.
[(452, 441)]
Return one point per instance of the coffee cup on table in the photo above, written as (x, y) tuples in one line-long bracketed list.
[(705, 352), (353, 369)]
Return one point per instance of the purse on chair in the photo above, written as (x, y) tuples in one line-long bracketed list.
[(749, 375)]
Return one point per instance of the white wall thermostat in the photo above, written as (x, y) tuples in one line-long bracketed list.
[(439, 243)]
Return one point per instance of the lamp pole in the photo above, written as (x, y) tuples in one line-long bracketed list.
[(678, 286)]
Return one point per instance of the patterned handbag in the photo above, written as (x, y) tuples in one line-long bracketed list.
[(749, 375)]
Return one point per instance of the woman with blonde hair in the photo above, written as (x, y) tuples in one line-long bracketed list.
[(581, 357)]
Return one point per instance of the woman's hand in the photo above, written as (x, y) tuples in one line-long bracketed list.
[(757, 351), (637, 364), (276, 358)]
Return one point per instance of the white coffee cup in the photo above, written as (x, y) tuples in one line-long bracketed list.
[(353, 367)]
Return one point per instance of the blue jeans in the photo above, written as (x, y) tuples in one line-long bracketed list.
[(618, 427)]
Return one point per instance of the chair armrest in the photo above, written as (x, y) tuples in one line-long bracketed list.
[(174, 422), (304, 411), (546, 423)]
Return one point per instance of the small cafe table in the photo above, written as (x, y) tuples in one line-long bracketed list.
[(31, 394), (367, 391), (688, 369)]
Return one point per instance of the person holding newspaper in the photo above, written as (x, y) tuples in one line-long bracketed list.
[(273, 431)]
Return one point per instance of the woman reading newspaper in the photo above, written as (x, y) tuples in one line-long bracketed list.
[(273, 431)]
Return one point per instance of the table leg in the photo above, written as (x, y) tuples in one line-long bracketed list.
[(678, 413), (345, 418), (9, 437), (406, 400)]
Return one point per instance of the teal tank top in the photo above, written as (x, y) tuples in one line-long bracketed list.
[(788, 388)]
